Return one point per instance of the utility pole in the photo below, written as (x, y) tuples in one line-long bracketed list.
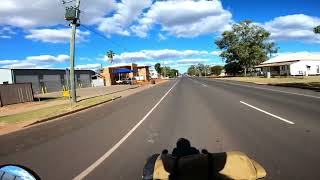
[(73, 15)]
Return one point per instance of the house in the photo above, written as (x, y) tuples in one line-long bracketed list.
[(153, 73), (141, 73), (294, 64), (45, 80)]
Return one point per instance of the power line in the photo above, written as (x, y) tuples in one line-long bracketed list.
[(104, 37)]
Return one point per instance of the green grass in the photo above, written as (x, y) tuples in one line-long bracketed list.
[(277, 80), (51, 111)]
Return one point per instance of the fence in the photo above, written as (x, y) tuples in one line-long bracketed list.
[(15, 93)]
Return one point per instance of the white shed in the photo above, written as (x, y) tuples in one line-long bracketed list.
[(5, 76), (294, 64)]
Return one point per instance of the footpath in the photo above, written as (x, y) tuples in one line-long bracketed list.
[(52, 105)]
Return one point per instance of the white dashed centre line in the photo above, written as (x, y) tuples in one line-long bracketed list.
[(270, 114)]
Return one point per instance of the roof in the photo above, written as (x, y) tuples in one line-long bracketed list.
[(123, 70), (293, 57), (276, 64)]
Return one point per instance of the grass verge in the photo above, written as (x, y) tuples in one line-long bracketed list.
[(45, 113), (310, 82)]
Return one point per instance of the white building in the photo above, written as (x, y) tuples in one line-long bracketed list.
[(153, 73), (294, 64)]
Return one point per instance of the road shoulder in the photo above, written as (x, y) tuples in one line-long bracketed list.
[(289, 90), (35, 117)]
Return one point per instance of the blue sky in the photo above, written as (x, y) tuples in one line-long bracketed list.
[(178, 33)]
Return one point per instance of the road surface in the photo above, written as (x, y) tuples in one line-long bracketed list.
[(278, 128)]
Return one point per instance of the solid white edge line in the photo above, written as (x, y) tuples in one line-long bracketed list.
[(270, 114), (274, 90), (116, 146)]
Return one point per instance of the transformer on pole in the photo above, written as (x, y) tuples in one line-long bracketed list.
[(72, 14)]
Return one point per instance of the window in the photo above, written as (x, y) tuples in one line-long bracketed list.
[(318, 69)]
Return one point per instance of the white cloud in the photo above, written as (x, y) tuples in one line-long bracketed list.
[(192, 61), (294, 27), (163, 54), (162, 37), (127, 12), (56, 35), (21, 65), (48, 58), (167, 62), (31, 13), (215, 53), (185, 18), (89, 66), (85, 59), (36, 62), (5, 37), (8, 61), (6, 32)]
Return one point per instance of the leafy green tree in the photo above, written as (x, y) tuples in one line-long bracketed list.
[(246, 45), (317, 30), (216, 70), (192, 70), (200, 69), (157, 67), (168, 72), (270, 49), (165, 71), (173, 73), (232, 68), (206, 70)]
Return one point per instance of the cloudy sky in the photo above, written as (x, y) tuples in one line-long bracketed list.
[(177, 33)]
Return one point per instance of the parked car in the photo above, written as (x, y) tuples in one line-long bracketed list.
[(128, 80)]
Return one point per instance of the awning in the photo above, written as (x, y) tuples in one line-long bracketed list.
[(274, 64), (123, 70)]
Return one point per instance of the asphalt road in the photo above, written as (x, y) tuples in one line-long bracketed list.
[(278, 128)]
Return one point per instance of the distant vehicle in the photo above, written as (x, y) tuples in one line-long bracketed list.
[(127, 81)]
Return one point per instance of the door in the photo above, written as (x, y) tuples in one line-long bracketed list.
[(34, 79), (52, 83), (85, 80)]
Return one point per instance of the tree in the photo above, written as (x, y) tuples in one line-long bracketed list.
[(168, 72), (199, 70), (270, 49), (207, 70), (165, 71), (232, 68), (317, 30), (246, 45), (216, 70), (157, 67), (192, 70), (110, 55), (173, 73)]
